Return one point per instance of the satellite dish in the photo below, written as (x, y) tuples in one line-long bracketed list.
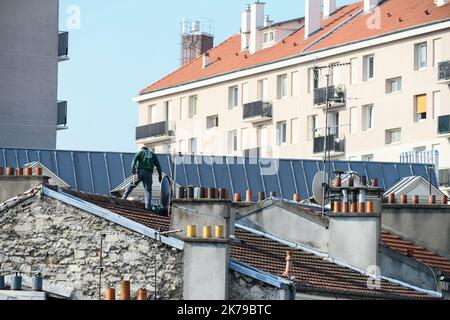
[(166, 190), (317, 188)]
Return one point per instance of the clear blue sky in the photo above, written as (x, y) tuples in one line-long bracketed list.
[(121, 47)]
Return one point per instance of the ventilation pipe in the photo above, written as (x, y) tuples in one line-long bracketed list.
[(440, 3), (256, 22), (369, 5), (206, 61), (312, 19), (245, 29), (329, 7)]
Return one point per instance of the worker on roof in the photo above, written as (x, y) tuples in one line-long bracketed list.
[(142, 168)]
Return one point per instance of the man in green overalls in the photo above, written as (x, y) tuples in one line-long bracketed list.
[(143, 165)]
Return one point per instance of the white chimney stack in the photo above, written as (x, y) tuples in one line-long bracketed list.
[(369, 5), (245, 29), (440, 3), (313, 17), (329, 7), (206, 60), (257, 21)]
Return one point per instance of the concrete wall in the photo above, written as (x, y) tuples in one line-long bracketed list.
[(10, 187), (206, 270), (295, 227), (425, 225), (397, 266), (29, 69), (354, 239), (63, 243), (246, 288)]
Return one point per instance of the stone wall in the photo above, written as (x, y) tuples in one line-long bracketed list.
[(63, 242), (246, 288)]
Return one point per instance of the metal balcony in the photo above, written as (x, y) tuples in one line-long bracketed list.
[(63, 46), (258, 111), (62, 115), (336, 96), (153, 133), (444, 125), (444, 72), (334, 144)]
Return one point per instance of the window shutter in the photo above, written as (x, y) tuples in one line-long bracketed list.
[(422, 104)]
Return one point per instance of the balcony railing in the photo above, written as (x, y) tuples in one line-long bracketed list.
[(155, 130), (63, 45), (444, 71), (444, 125), (258, 110), (62, 114), (334, 144), (336, 96)]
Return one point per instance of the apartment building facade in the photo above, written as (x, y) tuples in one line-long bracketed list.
[(31, 48), (387, 85)]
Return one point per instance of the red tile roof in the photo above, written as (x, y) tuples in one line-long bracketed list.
[(311, 271), (227, 57), (419, 253)]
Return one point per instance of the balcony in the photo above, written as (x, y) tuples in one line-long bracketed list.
[(444, 126), (63, 46), (444, 72), (155, 133), (62, 115), (334, 144), (258, 111), (336, 96)]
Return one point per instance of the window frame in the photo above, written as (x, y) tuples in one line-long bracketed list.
[(233, 97), (282, 83), (282, 133)]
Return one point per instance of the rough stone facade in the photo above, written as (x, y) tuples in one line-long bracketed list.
[(63, 242), (246, 288)]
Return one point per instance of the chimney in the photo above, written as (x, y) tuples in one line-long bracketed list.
[(369, 5), (206, 253), (312, 19), (329, 7), (11, 186), (440, 3), (256, 22), (354, 238), (245, 29), (268, 22), (206, 60), (195, 40), (287, 272)]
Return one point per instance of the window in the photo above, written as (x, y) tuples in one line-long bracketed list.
[(295, 84), (184, 111), (193, 106), (335, 73), (353, 70), (420, 53), (282, 86), (269, 37), (368, 117), (245, 94), (393, 136), (233, 97), (437, 51), (263, 90), (212, 122), (314, 80), (437, 104), (153, 114), (282, 132), (168, 110), (333, 122), (420, 106), (295, 131), (232, 141), (369, 67), (193, 145), (354, 120), (420, 149), (367, 157), (312, 127), (394, 85)]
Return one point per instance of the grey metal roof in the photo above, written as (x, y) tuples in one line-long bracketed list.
[(101, 172)]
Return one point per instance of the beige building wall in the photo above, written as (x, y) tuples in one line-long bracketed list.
[(391, 110)]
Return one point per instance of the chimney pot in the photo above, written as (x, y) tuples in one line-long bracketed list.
[(219, 232), (9, 171), (28, 171), (370, 207), (297, 198), (261, 196), (287, 272), (362, 207), (1, 171), (212, 193), (19, 171), (404, 199), (206, 60), (444, 200), (345, 207), (38, 171), (415, 199), (237, 197), (432, 199), (207, 232), (392, 198), (249, 196), (142, 295), (191, 231), (125, 293), (110, 294), (273, 194), (337, 208)]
